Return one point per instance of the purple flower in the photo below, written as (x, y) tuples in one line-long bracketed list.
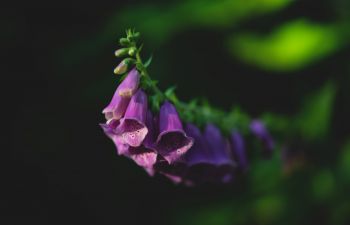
[(145, 155), (209, 159), (238, 149), (218, 146), (172, 141), (130, 84), (220, 155), (121, 97), (199, 152), (109, 129), (198, 158), (259, 130), (132, 126)]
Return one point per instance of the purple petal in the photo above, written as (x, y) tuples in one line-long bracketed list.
[(149, 141), (130, 84), (132, 127), (122, 147), (218, 146), (199, 152), (145, 155), (238, 149), (117, 107), (221, 158), (198, 158), (121, 97), (172, 142), (169, 118), (259, 130)]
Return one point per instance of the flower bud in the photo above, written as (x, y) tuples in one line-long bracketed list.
[(132, 51), (124, 41), (121, 52), (123, 66)]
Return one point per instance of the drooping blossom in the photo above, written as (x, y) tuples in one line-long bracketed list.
[(172, 141), (220, 153), (117, 107), (198, 158), (132, 126), (145, 155)]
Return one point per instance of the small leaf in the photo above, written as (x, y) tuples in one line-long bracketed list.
[(148, 62), (170, 91)]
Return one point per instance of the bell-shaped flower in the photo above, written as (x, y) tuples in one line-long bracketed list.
[(172, 141), (198, 158), (199, 152), (220, 154), (132, 126), (145, 155), (116, 108)]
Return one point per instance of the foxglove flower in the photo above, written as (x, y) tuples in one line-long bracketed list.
[(116, 108), (259, 130), (199, 152), (145, 155), (172, 141), (220, 153), (198, 158), (132, 126), (238, 150)]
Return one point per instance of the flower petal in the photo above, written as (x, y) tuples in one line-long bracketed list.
[(121, 97), (132, 127), (172, 142)]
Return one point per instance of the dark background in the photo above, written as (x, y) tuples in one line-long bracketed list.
[(57, 77)]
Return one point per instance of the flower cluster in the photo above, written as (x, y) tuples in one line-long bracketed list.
[(156, 139), (160, 143)]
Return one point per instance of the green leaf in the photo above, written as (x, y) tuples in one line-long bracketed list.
[(148, 62)]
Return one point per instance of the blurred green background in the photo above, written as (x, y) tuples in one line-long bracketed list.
[(286, 61)]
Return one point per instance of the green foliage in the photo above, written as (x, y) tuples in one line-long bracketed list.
[(291, 46)]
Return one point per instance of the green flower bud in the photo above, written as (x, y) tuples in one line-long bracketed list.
[(121, 52), (132, 51), (123, 66), (124, 41)]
